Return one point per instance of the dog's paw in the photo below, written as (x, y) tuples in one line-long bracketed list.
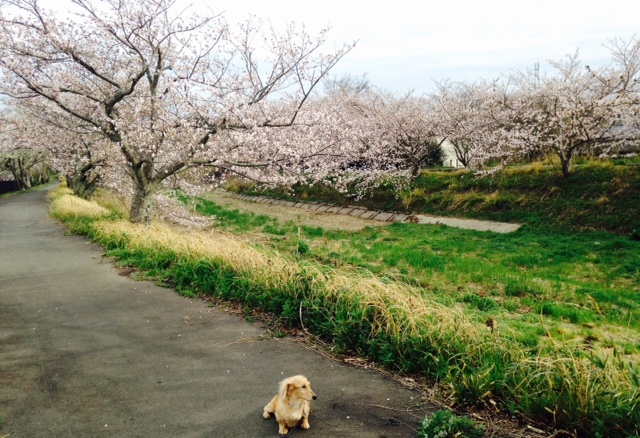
[(266, 415), (305, 424)]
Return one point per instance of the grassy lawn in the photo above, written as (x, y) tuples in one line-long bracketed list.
[(543, 322), (598, 195), (540, 287)]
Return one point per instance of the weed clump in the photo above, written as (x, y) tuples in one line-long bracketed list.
[(445, 424)]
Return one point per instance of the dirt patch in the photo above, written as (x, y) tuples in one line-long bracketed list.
[(298, 216)]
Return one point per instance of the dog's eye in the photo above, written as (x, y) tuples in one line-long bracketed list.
[(304, 386)]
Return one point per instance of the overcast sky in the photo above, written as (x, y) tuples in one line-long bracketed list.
[(407, 44)]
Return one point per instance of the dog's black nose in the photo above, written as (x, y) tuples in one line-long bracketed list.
[(315, 397)]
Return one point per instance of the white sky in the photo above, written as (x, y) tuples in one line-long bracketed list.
[(407, 44)]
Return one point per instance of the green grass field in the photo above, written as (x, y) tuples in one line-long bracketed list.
[(575, 265), (541, 287), (543, 322)]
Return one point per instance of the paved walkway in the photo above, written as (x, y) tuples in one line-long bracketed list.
[(382, 216), (85, 352)]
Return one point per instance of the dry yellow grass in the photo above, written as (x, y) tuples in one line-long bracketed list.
[(398, 308), (206, 246), (111, 201), (67, 205), (58, 192)]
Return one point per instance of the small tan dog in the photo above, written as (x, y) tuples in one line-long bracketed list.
[(291, 404)]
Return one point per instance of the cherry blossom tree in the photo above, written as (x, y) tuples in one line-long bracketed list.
[(623, 78), (403, 128), (467, 120), (512, 127), (173, 93), (75, 150), (574, 111), (27, 166), (578, 109)]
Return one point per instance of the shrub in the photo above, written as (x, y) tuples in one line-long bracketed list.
[(445, 424), (482, 303)]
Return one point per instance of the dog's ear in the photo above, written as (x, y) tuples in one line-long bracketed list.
[(290, 388)]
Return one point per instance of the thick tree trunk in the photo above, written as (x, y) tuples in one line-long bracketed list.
[(82, 185), (566, 167), (142, 203), (19, 175), (84, 188)]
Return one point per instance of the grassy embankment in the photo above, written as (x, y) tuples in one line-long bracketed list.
[(417, 299), (596, 196)]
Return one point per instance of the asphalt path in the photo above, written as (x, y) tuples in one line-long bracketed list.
[(86, 352)]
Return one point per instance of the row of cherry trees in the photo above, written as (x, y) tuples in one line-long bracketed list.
[(156, 94), (573, 109), (139, 96), (20, 161)]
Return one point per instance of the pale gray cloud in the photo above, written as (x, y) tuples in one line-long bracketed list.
[(406, 44)]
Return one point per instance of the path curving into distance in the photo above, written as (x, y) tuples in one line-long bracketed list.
[(86, 352)]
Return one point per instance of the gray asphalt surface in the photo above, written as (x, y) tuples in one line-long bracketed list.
[(85, 352)]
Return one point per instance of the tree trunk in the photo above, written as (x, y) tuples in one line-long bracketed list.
[(20, 176), (82, 182), (142, 202), (82, 186), (415, 169), (565, 161)]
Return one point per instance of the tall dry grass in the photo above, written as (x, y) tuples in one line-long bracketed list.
[(398, 309), (65, 206)]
